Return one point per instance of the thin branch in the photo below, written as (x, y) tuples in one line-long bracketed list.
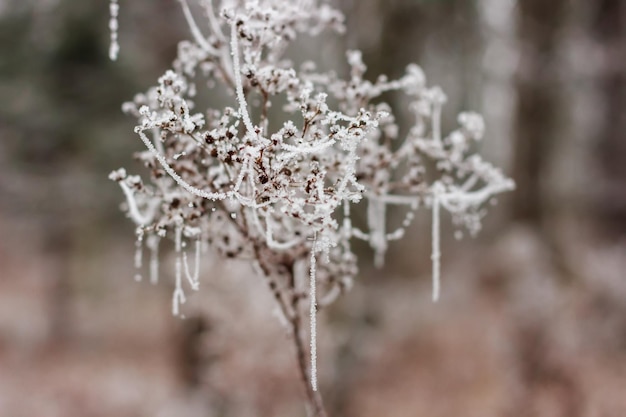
[(139, 218), (241, 99), (188, 187), (213, 23), (195, 30)]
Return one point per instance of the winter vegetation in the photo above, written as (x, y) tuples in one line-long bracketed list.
[(274, 177), (531, 316)]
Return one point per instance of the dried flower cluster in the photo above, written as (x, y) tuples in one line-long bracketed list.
[(278, 191)]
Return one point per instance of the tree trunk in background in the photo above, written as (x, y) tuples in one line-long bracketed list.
[(539, 103), (609, 27)]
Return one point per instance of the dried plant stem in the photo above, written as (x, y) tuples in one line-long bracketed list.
[(293, 314)]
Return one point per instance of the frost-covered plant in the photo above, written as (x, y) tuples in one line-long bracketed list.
[(278, 190)]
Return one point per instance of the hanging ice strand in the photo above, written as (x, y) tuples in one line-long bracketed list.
[(376, 213), (153, 244), (138, 253), (436, 249), (178, 297), (193, 279), (313, 319), (114, 46)]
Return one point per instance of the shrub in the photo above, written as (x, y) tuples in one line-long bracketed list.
[(276, 187)]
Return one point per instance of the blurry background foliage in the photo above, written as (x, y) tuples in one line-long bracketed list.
[(533, 315)]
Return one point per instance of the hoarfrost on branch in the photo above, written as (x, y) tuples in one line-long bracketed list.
[(281, 197)]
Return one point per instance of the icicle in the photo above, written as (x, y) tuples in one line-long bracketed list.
[(193, 279), (347, 221), (114, 47), (179, 295), (138, 253), (436, 253), (376, 213), (313, 319), (438, 98), (153, 245)]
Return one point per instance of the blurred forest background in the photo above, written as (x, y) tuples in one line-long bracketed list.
[(533, 316)]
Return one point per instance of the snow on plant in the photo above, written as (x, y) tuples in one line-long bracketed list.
[(278, 191)]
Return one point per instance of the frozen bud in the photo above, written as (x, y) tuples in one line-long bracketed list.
[(227, 14), (436, 96), (130, 107), (456, 138), (473, 123), (355, 60), (134, 181), (117, 175), (421, 108), (414, 80), (191, 232), (320, 103), (384, 116)]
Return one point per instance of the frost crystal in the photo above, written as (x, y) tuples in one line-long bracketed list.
[(280, 194)]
